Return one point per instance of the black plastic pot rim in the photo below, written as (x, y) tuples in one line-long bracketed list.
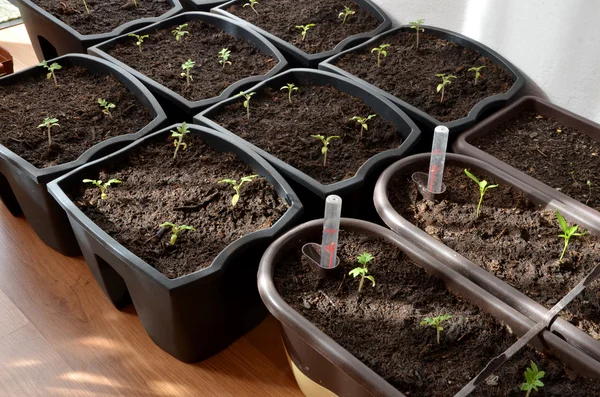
[(217, 267), (301, 177), (518, 84), (42, 175), (98, 50)]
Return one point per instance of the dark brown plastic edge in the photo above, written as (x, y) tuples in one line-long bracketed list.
[(327, 363)]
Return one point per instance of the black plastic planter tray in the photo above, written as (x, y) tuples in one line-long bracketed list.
[(178, 107), (201, 5), (464, 266), (197, 315), (355, 191), (23, 186), (304, 59), (426, 122), (50, 37), (316, 356)]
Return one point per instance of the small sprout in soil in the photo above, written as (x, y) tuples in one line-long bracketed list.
[(224, 55), (446, 80), (304, 29), (102, 186), (187, 67), (483, 187), (381, 50), (135, 3), (416, 25), (247, 102), (139, 40), (179, 32), (176, 230), (48, 123), (87, 10), (51, 69), (572, 172), (363, 122), (106, 106), (589, 185), (251, 4), (346, 13), (182, 131), (362, 271), (290, 88), (477, 71), (435, 323), (237, 186), (568, 232), (532, 379), (325, 147)]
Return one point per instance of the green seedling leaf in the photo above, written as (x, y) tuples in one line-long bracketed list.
[(325, 148), (381, 50), (290, 87), (304, 29), (345, 14), (48, 123), (237, 186), (446, 80), (416, 25), (102, 186), (179, 134), (436, 322), (567, 233), (51, 68), (176, 230), (483, 187), (362, 270)]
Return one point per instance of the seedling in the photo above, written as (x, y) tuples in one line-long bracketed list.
[(436, 322), (381, 50), (87, 10), (48, 123), (51, 68), (179, 32), (589, 185), (139, 40), (304, 29), (224, 55), (572, 172), (237, 186), (325, 147), (477, 71), (290, 88), (346, 13), (187, 68), (176, 230), (106, 106), (362, 270), (251, 4), (102, 186), (568, 232), (483, 187), (363, 122), (247, 102), (416, 25), (446, 80), (181, 131), (532, 379)]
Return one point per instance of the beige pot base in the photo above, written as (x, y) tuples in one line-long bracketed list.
[(309, 387)]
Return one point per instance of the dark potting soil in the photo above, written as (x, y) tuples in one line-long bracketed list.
[(104, 15), (158, 189), (410, 74), (512, 239), (25, 105), (281, 17), (284, 130), (562, 157), (163, 56)]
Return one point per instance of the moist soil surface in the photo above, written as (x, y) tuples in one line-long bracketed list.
[(163, 56), (25, 105), (158, 189), (104, 15), (512, 239), (281, 17), (560, 156), (409, 73), (284, 130)]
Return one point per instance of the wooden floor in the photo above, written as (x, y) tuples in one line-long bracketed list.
[(59, 335)]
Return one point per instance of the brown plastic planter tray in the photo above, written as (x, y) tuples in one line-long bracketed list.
[(6, 62), (328, 364), (459, 263), (545, 108)]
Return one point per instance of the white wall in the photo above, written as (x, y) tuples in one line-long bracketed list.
[(556, 43)]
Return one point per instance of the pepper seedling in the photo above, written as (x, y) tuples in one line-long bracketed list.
[(180, 132), (290, 88), (568, 232), (416, 25), (51, 68), (247, 102), (139, 40), (187, 68), (477, 71), (102, 186), (381, 50), (176, 230), (483, 187), (436, 322), (532, 379), (325, 147), (251, 4), (446, 80), (346, 13), (179, 32), (363, 122), (237, 186), (305, 28), (48, 123), (106, 106), (224, 55), (362, 270)]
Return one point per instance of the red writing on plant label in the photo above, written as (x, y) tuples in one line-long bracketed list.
[(330, 231), (331, 249), (434, 168)]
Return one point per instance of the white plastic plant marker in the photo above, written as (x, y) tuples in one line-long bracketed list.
[(331, 228), (438, 159)]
